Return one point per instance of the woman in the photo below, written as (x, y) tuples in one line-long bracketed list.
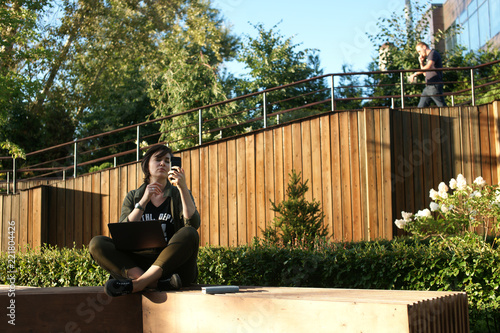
[(163, 196)]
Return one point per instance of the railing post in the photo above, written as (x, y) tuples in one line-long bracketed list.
[(332, 93), (8, 182), (392, 103), (473, 95), (14, 175), (200, 127), (264, 108), (138, 146), (401, 78), (452, 100), (74, 160)]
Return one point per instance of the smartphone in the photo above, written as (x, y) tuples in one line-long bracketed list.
[(175, 161)]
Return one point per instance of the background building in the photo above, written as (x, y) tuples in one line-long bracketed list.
[(479, 21)]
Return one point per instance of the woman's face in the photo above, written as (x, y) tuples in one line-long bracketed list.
[(159, 166)]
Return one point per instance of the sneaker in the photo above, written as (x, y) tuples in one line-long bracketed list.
[(174, 283), (116, 288)]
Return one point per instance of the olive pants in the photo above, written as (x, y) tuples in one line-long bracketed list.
[(179, 256)]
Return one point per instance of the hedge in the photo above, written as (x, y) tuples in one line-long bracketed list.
[(401, 264)]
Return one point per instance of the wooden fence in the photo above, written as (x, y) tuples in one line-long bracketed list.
[(365, 167)]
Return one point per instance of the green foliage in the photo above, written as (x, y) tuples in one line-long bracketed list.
[(458, 264), (299, 222), (459, 212), (273, 60), (49, 266)]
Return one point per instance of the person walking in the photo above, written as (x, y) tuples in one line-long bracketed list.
[(429, 59)]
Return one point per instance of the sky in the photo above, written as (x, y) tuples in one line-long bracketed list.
[(337, 28)]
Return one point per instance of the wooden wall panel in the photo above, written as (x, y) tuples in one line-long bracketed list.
[(213, 190), (250, 188), (365, 167), (222, 189)]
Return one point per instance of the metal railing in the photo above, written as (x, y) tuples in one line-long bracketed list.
[(252, 111)]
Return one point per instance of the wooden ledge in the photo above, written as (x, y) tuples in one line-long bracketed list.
[(252, 309)]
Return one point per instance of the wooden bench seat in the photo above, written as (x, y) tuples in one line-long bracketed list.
[(252, 309)]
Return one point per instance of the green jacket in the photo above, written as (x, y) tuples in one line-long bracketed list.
[(171, 191)]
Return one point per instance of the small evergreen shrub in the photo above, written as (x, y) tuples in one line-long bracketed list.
[(299, 222)]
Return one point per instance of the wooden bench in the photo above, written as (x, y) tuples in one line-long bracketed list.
[(252, 309)]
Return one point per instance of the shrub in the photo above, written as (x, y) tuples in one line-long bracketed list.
[(299, 222)]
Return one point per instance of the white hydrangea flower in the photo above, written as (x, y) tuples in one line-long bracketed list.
[(400, 223), (461, 182), (453, 183), (434, 206), (444, 208), (406, 216), (479, 181), (424, 213), (433, 194), (475, 194), (442, 187), (443, 195)]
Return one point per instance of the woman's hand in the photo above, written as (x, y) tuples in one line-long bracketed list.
[(152, 190), (177, 177)]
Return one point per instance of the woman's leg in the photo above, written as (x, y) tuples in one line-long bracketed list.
[(119, 264), (181, 255)]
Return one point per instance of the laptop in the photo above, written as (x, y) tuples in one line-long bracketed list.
[(142, 235)]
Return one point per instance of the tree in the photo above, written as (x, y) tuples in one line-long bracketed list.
[(273, 60), (349, 87), (300, 223), (92, 65)]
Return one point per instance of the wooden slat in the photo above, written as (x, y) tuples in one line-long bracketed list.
[(427, 156), (456, 143), (316, 183), (297, 147), (87, 209), (484, 139), (204, 197), (466, 143), (279, 172), (213, 191), (250, 194), (371, 178), (260, 184), (232, 196), (213, 175), (79, 207), (345, 177), (114, 197), (495, 126), (241, 189), (96, 202), (436, 144), (416, 161), (408, 160), (287, 153), (444, 137), (222, 171), (61, 215), (363, 173), (4, 223), (357, 231), (306, 158), (105, 203), (270, 172), (475, 138), (378, 171), (24, 232), (326, 168), (70, 213), (386, 175), (336, 175), (398, 164)]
